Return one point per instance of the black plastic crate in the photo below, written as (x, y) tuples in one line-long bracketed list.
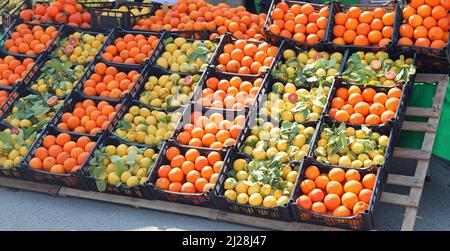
[(442, 54), (7, 18), (274, 38), (29, 4), (190, 36), (392, 55), (299, 48), (433, 65), (139, 191), (68, 30), (205, 199), (120, 32), (207, 112), (364, 221), (73, 180), (382, 130), (228, 38), (19, 93), (281, 213), (75, 97), (268, 88), (36, 74), (107, 18), (151, 71), (212, 72), (338, 6), (12, 29), (395, 122), (79, 86), (120, 116), (12, 172)]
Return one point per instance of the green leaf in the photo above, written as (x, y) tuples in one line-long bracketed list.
[(5, 138), (101, 185)]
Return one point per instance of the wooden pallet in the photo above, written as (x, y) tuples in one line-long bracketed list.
[(415, 183), (411, 201)]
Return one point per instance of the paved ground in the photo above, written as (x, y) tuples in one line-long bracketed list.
[(32, 211)]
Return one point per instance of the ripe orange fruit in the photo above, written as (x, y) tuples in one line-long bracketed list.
[(341, 211), (336, 174), (312, 172), (332, 201), (349, 200), (334, 187), (304, 202), (316, 195), (307, 186)]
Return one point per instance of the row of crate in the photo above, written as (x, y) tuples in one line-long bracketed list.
[(104, 19)]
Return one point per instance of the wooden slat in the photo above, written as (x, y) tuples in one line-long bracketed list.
[(417, 126), (398, 199), (165, 206), (402, 180), (271, 224), (421, 112), (406, 153), (29, 186), (431, 78)]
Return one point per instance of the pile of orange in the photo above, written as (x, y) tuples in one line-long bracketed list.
[(363, 28), (60, 11), (189, 173), (108, 82), (30, 40), (300, 22), (366, 106), (337, 192), (62, 154), (130, 49), (425, 23), (200, 15), (13, 70), (214, 131), (230, 94), (246, 57), (87, 117)]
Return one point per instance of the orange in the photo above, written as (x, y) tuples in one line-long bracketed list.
[(334, 187), (368, 94), (342, 116), (62, 138), (406, 30), (340, 18), (349, 200), (354, 12), (163, 171), (176, 175), (373, 119), (304, 202), (439, 12), (352, 174), (415, 20), (351, 24), (307, 186), (336, 174), (356, 118), (435, 33), (363, 29), (35, 163), (420, 32), (312, 172), (361, 40), (200, 183), (321, 182), (162, 183), (318, 207), (213, 157), (58, 169), (353, 186), (374, 36), (366, 17), (376, 24), (360, 207), (41, 153), (192, 154), (48, 141), (316, 195), (380, 98), (332, 201), (387, 115), (342, 211), (349, 36), (416, 3), (377, 108), (172, 152), (355, 98), (388, 18), (337, 102), (365, 195)]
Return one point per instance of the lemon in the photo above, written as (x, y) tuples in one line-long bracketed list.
[(302, 57), (143, 180), (373, 153), (15, 122), (22, 151), (110, 168), (255, 199), (292, 176), (125, 176), (363, 157), (259, 154), (241, 187), (360, 134), (357, 164), (230, 194), (8, 163), (255, 188), (239, 164), (242, 198), (278, 193), (18, 160), (269, 201), (383, 140), (357, 148), (282, 145), (149, 153), (241, 175), (368, 163), (230, 183), (132, 181), (113, 179), (289, 54), (282, 200), (122, 150), (379, 160), (266, 189), (271, 152), (334, 159), (285, 170)]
